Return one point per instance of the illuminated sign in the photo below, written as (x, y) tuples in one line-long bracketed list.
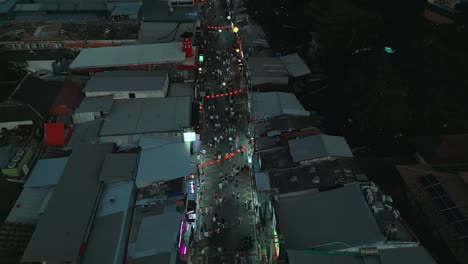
[(277, 243), (189, 136), (192, 187)]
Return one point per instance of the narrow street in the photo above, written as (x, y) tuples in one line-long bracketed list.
[(226, 222)]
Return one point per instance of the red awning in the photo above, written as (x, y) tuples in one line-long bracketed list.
[(55, 134)]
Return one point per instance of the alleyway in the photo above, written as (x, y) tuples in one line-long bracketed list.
[(226, 213)]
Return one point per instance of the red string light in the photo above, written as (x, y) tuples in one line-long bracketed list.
[(223, 94), (226, 157)]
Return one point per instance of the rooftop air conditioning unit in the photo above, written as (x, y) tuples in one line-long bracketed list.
[(293, 179), (312, 169), (16, 159)]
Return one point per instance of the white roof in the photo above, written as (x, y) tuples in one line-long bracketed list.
[(129, 55), (271, 104), (46, 172), (296, 67)]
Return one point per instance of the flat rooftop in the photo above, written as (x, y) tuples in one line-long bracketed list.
[(150, 115), (46, 31), (127, 81), (160, 53)]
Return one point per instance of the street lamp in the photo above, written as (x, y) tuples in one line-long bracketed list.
[(224, 84), (220, 31), (235, 29), (237, 50), (228, 17)]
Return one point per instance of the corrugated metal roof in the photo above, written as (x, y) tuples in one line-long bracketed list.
[(96, 104), (59, 235), (344, 221), (129, 55), (127, 81), (319, 146), (296, 67), (150, 115), (118, 167), (170, 161), (271, 104), (28, 207), (47, 172)]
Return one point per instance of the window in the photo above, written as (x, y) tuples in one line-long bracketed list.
[(131, 95)]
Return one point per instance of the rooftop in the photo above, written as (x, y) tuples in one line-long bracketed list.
[(443, 197), (273, 104), (59, 235), (86, 132), (163, 32), (275, 126), (266, 66), (296, 67), (127, 81), (118, 167), (106, 243), (129, 55), (30, 205), (143, 248), (33, 88), (96, 104), (345, 221), (46, 172), (151, 115), (50, 31), (408, 255), (158, 11), (319, 146), (180, 90), (323, 175), (171, 160)]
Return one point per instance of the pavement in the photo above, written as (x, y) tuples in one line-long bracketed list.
[(225, 247)]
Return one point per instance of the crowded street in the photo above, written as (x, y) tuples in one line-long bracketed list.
[(226, 222)]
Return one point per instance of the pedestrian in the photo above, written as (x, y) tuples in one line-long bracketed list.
[(237, 196), (239, 218), (246, 203), (214, 218), (220, 185), (207, 210), (215, 195), (233, 195), (211, 209)]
